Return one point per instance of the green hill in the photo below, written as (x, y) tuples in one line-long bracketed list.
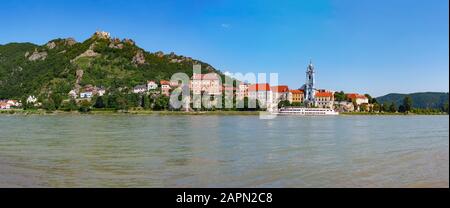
[(64, 64), (432, 100)]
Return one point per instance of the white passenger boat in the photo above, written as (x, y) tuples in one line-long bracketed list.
[(306, 111)]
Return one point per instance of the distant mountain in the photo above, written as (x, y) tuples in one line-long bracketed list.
[(64, 64), (420, 100)]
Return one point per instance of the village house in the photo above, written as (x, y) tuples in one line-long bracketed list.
[(86, 94), (4, 105), (242, 91), (206, 83), (324, 99), (165, 87), (357, 98), (344, 106), (279, 93), (151, 85), (140, 89), (13, 103), (296, 96), (261, 92), (99, 91), (31, 99)]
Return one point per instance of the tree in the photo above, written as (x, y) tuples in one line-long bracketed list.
[(376, 107), (133, 100), (85, 106), (407, 103), (146, 102), (161, 103), (392, 107), (99, 102), (364, 107), (49, 105), (401, 109), (340, 96), (112, 101), (374, 101), (57, 100), (284, 103), (72, 106), (369, 98), (25, 104)]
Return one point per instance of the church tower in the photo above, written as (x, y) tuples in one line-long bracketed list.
[(309, 87)]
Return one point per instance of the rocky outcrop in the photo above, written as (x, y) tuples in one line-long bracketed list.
[(129, 41), (35, 56), (70, 41), (102, 35), (159, 54), (79, 74), (139, 58), (88, 53), (116, 46), (51, 45)]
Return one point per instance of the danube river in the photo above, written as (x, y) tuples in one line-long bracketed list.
[(223, 151)]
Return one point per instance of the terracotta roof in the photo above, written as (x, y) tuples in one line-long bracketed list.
[(355, 96), (259, 87), (324, 94), (297, 91), (164, 82), (281, 88)]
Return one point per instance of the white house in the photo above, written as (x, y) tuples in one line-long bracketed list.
[(14, 103), (86, 94), (242, 91), (165, 87), (31, 99), (140, 89), (262, 93), (100, 91), (151, 85), (357, 98)]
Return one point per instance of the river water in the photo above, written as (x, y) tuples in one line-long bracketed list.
[(223, 151)]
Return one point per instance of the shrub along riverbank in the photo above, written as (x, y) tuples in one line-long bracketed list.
[(167, 112), (122, 112)]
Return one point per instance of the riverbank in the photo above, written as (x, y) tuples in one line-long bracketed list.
[(163, 113), (129, 112), (392, 114)]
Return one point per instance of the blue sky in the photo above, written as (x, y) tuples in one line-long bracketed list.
[(366, 46)]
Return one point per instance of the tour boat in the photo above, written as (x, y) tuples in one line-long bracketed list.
[(306, 111)]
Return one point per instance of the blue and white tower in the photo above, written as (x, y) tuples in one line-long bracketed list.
[(309, 86)]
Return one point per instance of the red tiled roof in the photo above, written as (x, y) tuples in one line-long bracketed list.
[(259, 87), (281, 88), (296, 91), (355, 96), (324, 94), (164, 82)]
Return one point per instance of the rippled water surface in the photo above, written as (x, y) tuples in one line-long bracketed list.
[(224, 151)]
